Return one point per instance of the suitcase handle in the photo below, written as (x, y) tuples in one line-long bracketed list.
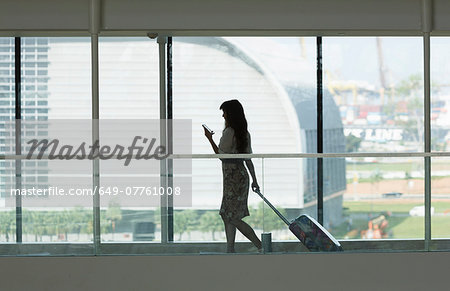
[(271, 206)]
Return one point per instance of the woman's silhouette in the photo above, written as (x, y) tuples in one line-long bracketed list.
[(235, 139)]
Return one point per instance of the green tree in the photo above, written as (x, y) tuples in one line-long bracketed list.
[(77, 220), (6, 223), (410, 86), (49, 221), (86, 227), (184, 221), (352, 143), (104, 226), (211, 222), (263, 217), (62, 223), (375, 178), (38, 225), (113, 215), (27, 222), (410, 90), (32, 221)]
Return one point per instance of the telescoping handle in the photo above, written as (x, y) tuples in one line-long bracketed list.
[(273, 207)]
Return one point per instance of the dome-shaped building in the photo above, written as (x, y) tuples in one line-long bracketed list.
[(282, 119)]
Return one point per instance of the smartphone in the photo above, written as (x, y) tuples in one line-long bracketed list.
[(208, 129)]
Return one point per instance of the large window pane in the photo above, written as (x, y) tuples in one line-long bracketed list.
[(291, 196), (129, 78), (440, 100), (274, 79), (383, 199), (377, 85), (202, 221), (440, 129), (373, 102), (56, 87), (440, 205), (7, 91), (129, 89)]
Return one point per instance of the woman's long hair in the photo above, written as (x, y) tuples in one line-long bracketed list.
[(236, 120)]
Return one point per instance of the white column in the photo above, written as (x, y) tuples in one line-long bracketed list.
[(162, 40)]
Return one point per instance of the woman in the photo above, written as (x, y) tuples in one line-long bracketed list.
[(235, 139)]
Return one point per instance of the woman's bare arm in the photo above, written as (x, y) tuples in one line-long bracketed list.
[(211, 141), (251, 169)]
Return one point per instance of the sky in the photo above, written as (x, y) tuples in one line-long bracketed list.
[(348, 58)]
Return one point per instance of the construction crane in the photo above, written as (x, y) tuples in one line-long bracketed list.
[(302, 47), (383, 71), (381, 68)]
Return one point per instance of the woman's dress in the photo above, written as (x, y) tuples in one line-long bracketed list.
[(235, 179)]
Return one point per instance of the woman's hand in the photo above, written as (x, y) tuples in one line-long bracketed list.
[(255, 186), (208, 133)]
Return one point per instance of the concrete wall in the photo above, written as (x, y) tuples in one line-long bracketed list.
[(225, 16), (345, 271)]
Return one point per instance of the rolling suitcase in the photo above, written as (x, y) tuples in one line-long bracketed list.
[(313, 235)]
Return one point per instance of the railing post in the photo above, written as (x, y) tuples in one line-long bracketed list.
[(162, 41), (427, 28), (94, 28), (18, 134), (319, 131)]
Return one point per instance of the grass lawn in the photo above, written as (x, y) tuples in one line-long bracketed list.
[(440, 227), (400, 227), (413, 227), (395, 205), (414, 165), (408, 227), (385, 167)]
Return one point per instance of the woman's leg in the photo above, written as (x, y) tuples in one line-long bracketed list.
[(248, 232), (230, 232)]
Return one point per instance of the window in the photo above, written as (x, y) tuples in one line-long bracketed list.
[(129, 92), (374, 170), (63, 93), (6, 114), (377, 94), (440, 133), (274, 79)]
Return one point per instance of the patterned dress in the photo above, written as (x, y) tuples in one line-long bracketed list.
[(235, 179)]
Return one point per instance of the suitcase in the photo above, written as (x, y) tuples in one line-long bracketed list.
[(313, 235)]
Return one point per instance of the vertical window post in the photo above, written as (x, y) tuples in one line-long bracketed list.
[(319, 131), (426, 28), (169, 139), (162, 40), (94, 28), (18, 134)]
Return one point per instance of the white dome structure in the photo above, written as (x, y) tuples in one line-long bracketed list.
[(209, 71)]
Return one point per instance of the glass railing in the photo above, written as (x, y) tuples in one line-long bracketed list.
[(369, 203), (440, 198), (365, 199), (379, 200)]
